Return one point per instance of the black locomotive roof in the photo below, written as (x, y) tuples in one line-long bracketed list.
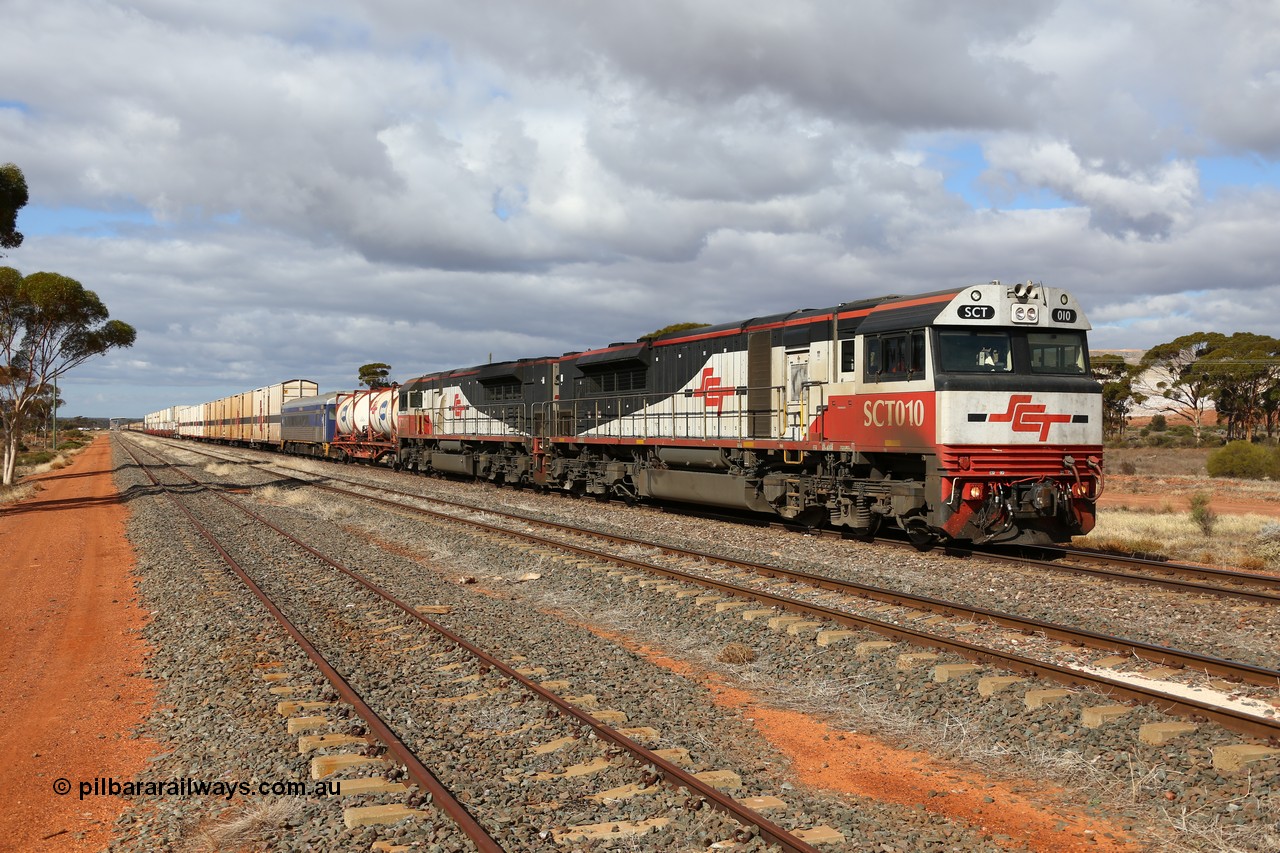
[(880, 313)]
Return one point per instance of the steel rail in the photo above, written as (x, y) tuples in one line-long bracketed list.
[(1148, 651), (1238, 721), (442, 798), (672, 774), (1160, 566), (1183, 706), (999, 553)]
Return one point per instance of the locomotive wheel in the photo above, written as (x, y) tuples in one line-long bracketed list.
[(920, 536)]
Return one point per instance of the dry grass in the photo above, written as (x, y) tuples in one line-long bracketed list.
[(241, 827), (736, 653), (17, 492), (1235, 540)]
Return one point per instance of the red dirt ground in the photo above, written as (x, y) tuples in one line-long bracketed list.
[(70, 656), (1182, 503), (1033, 814)]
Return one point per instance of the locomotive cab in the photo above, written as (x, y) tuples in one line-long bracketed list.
[(1019, 441)]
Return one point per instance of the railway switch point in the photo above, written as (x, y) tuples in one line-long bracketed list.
[(947, 671), (911, 660), (1155, 734), (1039, 698), (1097, 716), (993, 684), (1240, 756)]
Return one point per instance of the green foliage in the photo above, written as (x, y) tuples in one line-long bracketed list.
[(1202, 514), (1159, 423), (674, 327), (49, 324), (1118, 396), (13, 197), (1242, 459), (374, 375)]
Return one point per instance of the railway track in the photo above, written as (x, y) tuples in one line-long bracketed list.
[(650, 765), (746, 584)]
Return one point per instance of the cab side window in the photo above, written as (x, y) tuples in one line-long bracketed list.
[(896, 357)]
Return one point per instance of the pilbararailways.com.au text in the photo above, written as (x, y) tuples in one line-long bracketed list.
[(187, 787)]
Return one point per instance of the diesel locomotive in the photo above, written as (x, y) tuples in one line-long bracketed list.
[(964, 414)]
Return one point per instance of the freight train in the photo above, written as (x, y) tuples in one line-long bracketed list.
[(965, 414)]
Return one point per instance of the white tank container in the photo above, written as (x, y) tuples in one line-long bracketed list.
[(366, 414)]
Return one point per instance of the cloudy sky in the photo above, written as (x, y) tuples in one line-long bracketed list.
[(294, 188)]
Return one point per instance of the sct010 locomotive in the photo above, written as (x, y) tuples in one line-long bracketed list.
[(965, 414)]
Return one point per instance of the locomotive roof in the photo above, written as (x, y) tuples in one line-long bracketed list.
[(916, 309)]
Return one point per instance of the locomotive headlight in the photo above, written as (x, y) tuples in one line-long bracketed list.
[(975, 491), (1026, 314)]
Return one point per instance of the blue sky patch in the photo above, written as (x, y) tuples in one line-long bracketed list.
[(37, 219), (963, 166), (1219, 173)]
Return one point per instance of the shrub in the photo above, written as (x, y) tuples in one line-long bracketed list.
[(1159, 423), (1127, 467), (1242, 459), (1202, 514), (39, 457), (736, 653), (1267, 544)]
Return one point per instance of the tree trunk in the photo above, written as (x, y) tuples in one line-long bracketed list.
[(10, 458)]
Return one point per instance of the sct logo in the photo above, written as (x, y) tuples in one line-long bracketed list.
[(459, 407), (710, 390), (1029, 417)]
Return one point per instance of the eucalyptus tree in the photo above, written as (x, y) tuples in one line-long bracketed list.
[(49, 324)]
